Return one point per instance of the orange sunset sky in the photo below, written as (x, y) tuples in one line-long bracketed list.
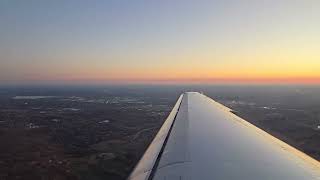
[(216, 41)]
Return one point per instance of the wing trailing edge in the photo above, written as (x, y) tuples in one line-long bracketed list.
[(202, 139)]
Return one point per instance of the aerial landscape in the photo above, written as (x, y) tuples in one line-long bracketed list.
[(85, 86), (101, 132)]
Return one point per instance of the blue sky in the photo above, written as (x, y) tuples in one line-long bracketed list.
[(132, 40)]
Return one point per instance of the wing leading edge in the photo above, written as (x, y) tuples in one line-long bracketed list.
[(202, 139)]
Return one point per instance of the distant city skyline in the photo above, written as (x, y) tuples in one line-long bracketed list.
[(164, 41)]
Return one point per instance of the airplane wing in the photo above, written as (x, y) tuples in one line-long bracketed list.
[(201, 139)]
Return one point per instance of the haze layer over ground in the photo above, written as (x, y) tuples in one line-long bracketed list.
[(101, 132)]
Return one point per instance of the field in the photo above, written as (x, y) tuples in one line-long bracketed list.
[(101, 132)]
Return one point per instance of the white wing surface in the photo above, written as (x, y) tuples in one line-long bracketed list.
[(201, 139)]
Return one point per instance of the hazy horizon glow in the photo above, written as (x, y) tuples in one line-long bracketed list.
[(183, 41)]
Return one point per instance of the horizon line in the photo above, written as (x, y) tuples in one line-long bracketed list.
[(169, 81)]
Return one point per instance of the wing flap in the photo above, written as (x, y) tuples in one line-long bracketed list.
[(147, 163)]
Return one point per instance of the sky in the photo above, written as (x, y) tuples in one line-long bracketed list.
[(159, 41)]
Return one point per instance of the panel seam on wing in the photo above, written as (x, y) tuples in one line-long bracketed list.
[(154, 168)]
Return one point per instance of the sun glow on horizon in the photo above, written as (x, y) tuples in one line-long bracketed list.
[(204, 42)]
